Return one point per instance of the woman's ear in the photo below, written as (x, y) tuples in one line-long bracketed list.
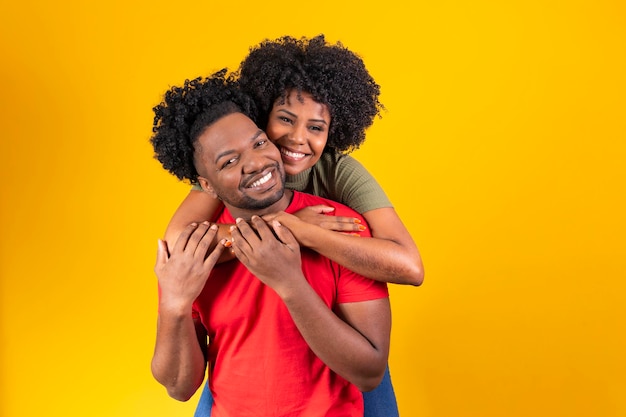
[(206, 187)]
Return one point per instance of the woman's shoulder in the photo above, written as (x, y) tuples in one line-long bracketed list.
[(333, 161), (340, 177)]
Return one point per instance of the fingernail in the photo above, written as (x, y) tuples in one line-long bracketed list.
[(361, 227), (357, 221)]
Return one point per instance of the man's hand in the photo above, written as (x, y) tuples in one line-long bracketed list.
[(272, 255), (183, 272)]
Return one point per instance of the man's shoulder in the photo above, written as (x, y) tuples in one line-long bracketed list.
[(301, 200), (224, 216)]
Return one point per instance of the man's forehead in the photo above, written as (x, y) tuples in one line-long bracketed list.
[(234, 146), (228, 133)]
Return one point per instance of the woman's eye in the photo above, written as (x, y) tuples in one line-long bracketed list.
[(316, 128), (284, 119)]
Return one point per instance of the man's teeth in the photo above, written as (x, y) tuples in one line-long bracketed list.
[(292, 154), (261, 181)]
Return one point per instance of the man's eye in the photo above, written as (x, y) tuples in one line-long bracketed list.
[(229, 162), (261, 142)]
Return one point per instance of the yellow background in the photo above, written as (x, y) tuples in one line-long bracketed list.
[(503, 149)]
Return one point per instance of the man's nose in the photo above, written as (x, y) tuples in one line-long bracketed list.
[(254, 163)]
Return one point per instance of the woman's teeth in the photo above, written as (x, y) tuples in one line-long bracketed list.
[(296, 155)]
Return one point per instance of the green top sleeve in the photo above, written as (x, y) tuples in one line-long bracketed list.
[(341, 178)]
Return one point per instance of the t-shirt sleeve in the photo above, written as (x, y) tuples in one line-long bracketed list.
[(355, 288), (356, 187)]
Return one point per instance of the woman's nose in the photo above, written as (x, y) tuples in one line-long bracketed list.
[(297, 135)]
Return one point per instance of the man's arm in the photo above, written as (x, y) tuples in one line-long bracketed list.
[(179, 361), (356, 347)]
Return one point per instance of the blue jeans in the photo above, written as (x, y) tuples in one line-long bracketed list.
[(380, 402)]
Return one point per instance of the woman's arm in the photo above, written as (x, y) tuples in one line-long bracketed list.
[(392, 248), (390, 255), (197, 207)]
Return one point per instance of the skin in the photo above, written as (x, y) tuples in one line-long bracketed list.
[(300, 130), (238, 164), (179, 361)]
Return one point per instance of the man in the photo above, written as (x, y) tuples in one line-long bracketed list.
[(291, 333)]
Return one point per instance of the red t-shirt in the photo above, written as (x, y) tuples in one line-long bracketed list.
[(260, 365)]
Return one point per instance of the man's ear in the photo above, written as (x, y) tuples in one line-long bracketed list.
[(206, 187)]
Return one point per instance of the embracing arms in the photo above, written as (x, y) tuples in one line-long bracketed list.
[(389, 256)]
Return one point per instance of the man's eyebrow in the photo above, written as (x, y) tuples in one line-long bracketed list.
[(293, 115), (230, 151)]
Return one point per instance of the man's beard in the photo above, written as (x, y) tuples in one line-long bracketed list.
[(250, 204), (247, 203)]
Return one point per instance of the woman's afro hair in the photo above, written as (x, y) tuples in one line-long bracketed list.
[(332, 74), (184, 114)]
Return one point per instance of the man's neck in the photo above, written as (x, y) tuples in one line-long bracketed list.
[(280, 205)]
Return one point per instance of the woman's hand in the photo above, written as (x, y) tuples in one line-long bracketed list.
[(316, 215)]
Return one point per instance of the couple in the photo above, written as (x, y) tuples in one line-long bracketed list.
[(186, 158)]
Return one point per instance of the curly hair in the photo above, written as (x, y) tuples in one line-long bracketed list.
[(184, 114), (332, 74)]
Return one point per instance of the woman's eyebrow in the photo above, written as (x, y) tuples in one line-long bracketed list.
[(295, 116)]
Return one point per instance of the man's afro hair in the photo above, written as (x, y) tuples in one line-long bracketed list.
[(184, 114)]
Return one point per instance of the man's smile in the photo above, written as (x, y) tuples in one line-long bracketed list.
[(261, 181)]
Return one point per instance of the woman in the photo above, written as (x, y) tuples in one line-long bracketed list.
[(315, 101)]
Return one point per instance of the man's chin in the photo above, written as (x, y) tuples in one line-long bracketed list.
[(263, 203)]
